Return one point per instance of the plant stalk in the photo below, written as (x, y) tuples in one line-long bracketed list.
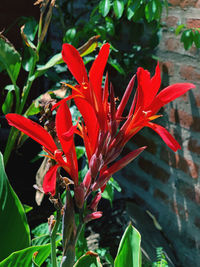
[(53, 240)]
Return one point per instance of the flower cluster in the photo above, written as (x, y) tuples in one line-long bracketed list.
[(105, 128)]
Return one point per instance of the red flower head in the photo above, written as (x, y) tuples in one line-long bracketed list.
[(64, 131), (105, 131)]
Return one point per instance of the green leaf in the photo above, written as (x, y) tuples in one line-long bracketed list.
[(179, 28), (80, 151), (132, 8), (187, 38), (129, 253), (196, 37), (27, 208), (24, 257), (118, 7), (70, 35), (41, 229), (10, 59), (56, 59), (150, 10), (7, 105), (90, 259), (31, 28), (33, 109), (15, 233), (104, 7), (116, 65)]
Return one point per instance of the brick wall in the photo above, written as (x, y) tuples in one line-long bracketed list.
[(164, 182)]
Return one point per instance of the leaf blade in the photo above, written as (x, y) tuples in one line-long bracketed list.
[(15, 236)]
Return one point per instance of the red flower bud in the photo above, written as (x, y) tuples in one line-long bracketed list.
[(93, 216), (95, 202), (79, 194)]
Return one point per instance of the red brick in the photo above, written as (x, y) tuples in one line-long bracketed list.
[(185, 120), (188, 72), (187, 3), (171, 21), (174, 2), (187, 166), (177, 161), (172, 44), (194, 146), (183, 3), (197, 4), (193, 23), (167, 67), (154, 170)]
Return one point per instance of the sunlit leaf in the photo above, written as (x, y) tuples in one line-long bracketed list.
[(196, 37), (10, 59), (24, 257), (187, 38), (90, 259), (118, 7), (104, 7), (129, 253)]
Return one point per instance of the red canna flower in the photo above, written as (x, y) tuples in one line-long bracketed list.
[(64, 128), (105, 131), (88, 93)]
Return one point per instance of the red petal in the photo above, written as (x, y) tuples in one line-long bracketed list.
[(125, 97), (90, 120), (33, 130), (64, 125), (49, 183), (173, 91), (165, 135), (74, 62), (97, 69), (147, 86)]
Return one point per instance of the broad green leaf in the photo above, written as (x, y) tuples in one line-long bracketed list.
[(90, 259), (129, 253), (196, 37), (118, 7), (25, 257), (15, 233), (10, 59), (104, 7), (187, 38)]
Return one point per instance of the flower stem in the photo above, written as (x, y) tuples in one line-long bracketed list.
[(53, 240)]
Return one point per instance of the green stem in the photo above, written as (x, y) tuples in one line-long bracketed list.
[(10, 144), (53, 240)]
